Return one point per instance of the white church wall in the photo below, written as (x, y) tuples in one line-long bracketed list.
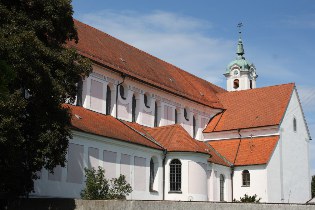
[(116, 157), (274, 176), (214, 183), (245, 133), (94, 98), (258, 182), (295, 155), (193, 187)]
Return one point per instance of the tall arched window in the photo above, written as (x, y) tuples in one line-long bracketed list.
[(186, 114), (108, 100), (155, 115), (151, 174), (133, 108), (122, 92), (146, 101), (294, 124), (222, 180), (194, 127), (251, 84), (176, 120), (175, 175), (79, 92), (246, 178)]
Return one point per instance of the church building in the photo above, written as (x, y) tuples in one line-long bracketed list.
[(176, 136)]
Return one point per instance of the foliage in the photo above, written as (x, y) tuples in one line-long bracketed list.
[(313, 186), (99, 188), (248, 199), (38, 74)]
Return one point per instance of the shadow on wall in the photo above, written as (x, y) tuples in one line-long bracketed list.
[(38, 204)]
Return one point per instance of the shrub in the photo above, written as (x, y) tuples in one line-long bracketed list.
[(248, 199), (99, 188)]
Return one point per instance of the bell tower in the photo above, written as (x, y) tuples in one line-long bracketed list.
[(240, 73)]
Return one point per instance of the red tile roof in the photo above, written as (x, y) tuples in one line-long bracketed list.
[(247, 151), (121, 57), (251, 108), (175, 138), (106, 126)]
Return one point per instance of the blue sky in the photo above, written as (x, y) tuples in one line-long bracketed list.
[(200, 37)]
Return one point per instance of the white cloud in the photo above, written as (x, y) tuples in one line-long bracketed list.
[(174, 38), (301, 21)]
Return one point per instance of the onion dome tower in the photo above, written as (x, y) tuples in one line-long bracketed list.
[(240, 73)]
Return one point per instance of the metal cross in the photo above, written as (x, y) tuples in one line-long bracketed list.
[(239, 25)]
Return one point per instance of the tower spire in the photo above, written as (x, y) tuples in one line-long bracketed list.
[(240, 73), (240, 48)]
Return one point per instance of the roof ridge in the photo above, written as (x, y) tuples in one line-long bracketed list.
[(219, 154), (259, 88), (244, 138), (152, 140)]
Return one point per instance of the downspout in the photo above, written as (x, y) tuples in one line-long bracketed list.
[(123, 76), (232, 167), (232, 175), (164, 158)]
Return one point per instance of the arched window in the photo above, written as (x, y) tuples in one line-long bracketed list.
[(251, 84), (294, 124), (146, 100), (236, 83), (133, 108), (246, 178), (176, 120), (222, 180), (151, 174), (155, 115), (122, 92), (175, 175), (194, 127), (108, 100), (79, 92), (186, 114)]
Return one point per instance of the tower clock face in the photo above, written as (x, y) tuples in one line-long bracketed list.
[(235, 72)]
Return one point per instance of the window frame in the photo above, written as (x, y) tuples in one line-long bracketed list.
[(294, 124), (236, 83), (155, 114), (108, 100), (222, 187), (176, 117), (133, 108), (245, 178), (175, 175), (146, 100), (194, 127), (122, 92), (186, 114)]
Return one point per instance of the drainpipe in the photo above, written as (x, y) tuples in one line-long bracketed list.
[(232, 167), (123, 77), (232, 176), (164, 158)]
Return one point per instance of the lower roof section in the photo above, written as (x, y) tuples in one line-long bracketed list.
[(173, 138), (246, 151), (107, 126)]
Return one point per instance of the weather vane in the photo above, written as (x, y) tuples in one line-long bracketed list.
[(239, 26)]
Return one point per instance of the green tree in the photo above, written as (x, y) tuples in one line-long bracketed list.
[(38, 74), (99, 188), (313, 186)]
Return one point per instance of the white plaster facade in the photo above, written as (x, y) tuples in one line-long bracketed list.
[(285, 178)]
